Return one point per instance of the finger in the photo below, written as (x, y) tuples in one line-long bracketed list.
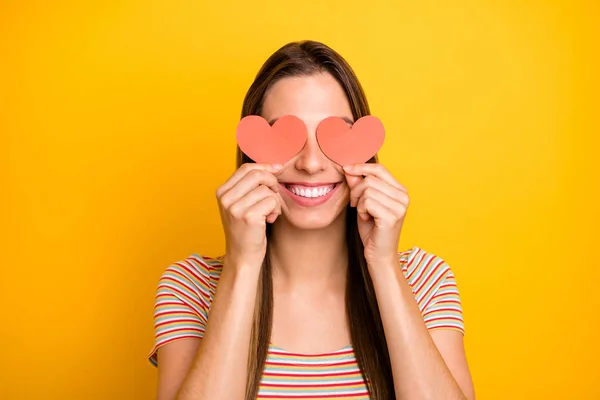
[(273, 216), (249, 182), (239, 208), (379, 205), (243, 171), (352, 181), (261, 210), (374, 169), (374, 182)]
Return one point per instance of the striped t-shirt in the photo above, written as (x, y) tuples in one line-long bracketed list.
[(186, 290)]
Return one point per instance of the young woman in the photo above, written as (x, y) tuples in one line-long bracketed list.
[(312, 298)]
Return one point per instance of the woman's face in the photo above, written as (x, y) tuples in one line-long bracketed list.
[(314, 188)]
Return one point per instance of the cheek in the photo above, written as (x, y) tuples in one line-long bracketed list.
[(344, 193)]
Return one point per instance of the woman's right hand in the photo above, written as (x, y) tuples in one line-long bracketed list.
[(247, 201)]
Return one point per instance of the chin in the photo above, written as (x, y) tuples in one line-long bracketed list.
[(307, 219)]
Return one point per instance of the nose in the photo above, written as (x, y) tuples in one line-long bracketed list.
[(311, 159)]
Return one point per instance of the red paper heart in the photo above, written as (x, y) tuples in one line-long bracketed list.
[(275, 144), (345, 145)]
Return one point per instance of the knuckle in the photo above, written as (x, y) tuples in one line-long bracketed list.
[(246, 166), (270, 201), (255, 174), (402, 210), (264, 190), (220, 191), (224, 201), (250, 218), (236, 211)]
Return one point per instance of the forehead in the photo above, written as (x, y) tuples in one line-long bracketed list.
[(311, 98)]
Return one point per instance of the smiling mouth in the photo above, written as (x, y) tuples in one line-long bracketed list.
[(310, 192)]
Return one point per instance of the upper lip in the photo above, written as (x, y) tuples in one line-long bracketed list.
[(309, 184)]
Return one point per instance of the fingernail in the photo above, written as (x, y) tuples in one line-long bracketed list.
[(277, 167)]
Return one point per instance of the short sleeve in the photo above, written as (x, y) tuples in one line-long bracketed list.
[(182, 302), (435, 290)]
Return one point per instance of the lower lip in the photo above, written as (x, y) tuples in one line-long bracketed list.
[(311, 201)]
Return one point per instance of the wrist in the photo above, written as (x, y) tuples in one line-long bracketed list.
[(390, 262), (384, 268), (240, 276), (242, 263)]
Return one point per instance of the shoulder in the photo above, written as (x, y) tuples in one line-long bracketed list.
[(195, 268), (185, 292), (426, 273), (192, 278), (418, 264)]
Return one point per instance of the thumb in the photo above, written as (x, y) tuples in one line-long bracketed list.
[(352, 180)]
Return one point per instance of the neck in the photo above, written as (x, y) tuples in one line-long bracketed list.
[(313, 258)]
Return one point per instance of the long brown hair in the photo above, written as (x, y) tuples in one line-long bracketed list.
[(364, 321)]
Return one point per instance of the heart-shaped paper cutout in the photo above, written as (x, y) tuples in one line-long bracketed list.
[(350, 145), (275, 144)]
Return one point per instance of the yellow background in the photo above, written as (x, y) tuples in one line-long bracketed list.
[(117, 124)]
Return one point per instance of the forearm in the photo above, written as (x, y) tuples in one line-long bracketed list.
[(418, 368), (220, 367)]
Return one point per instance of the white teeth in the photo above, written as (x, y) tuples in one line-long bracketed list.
[(310, 193)]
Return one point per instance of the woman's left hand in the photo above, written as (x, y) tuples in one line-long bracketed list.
[(381, 203)]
